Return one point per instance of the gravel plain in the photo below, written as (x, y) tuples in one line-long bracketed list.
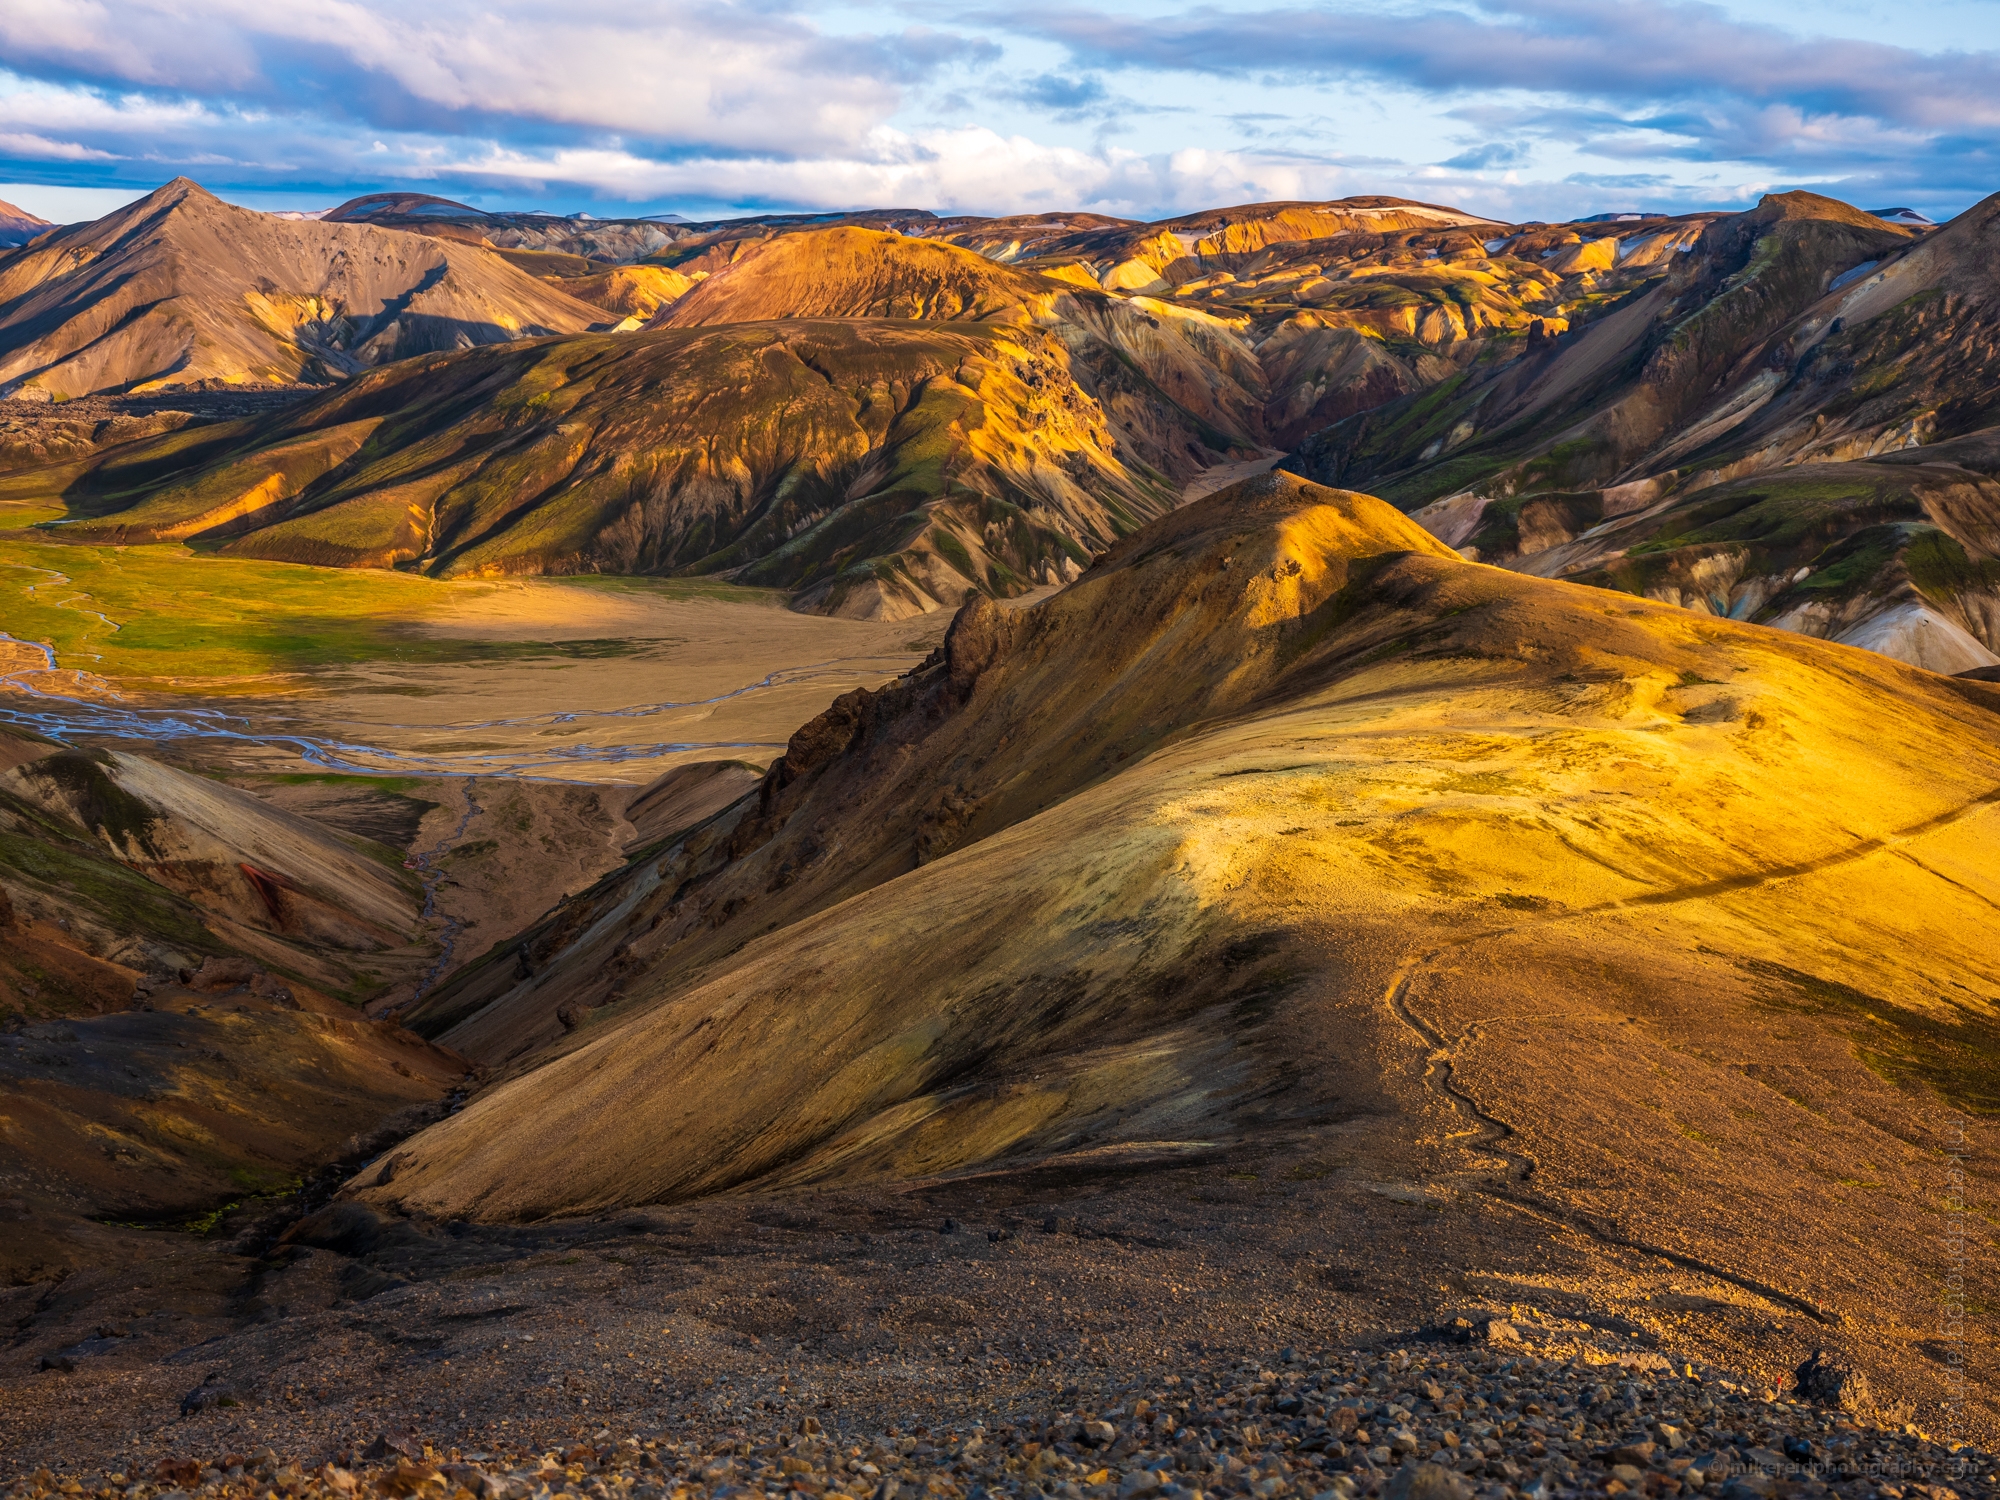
[(1492, 1420)]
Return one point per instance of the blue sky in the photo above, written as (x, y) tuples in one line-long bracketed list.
[(1511, 108)]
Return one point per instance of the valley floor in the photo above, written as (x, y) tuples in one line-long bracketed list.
[(579, 681)]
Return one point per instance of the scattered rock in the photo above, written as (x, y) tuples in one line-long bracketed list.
[(60, 1362), (1283, 1431), (218, 974), (209, 1395), (1478, 1329), (391, 1445), (1825, 1383)]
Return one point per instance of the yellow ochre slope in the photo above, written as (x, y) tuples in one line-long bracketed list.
[(1631, 921)]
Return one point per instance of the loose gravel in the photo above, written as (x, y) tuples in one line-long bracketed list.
[(1488, 1420)]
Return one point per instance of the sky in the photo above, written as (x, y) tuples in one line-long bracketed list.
[(1514, 109)]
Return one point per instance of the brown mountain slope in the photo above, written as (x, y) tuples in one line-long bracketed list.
[(174, 954), (1348, 306), (1347, 842), (1178, 386), (181, 288), (18, 226), (1900, 554), (1361, 300), (155, 868)]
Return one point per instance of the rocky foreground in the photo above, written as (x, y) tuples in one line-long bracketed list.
[(1431, 1422)]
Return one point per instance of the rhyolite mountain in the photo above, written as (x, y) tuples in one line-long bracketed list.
[(1286, 824), (1665, 406), (882, 467), (598, 456)]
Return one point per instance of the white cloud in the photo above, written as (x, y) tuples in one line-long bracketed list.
[(976, 170), (30, 147), (724, 74), (1530, 108)]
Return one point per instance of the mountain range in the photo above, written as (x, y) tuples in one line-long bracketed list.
[(181, 289), (1668, 406)]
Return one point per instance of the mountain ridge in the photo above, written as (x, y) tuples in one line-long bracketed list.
[(1332, 807)]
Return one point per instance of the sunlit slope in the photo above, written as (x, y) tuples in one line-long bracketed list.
[(1170, 252), (894, 773), (1178, 387), (630, 291), (859, 273), (888, 466), (1143, 862), (18, 226), (181, 287)]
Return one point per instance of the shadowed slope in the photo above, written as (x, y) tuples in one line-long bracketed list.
[(181, 287), (173, 954), (1900, 554), (156, 868), (1642, 378)]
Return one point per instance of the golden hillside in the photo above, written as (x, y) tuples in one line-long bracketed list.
[(858, 273), (1281, 813)]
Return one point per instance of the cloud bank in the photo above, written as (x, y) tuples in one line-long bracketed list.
[(1510, 107)]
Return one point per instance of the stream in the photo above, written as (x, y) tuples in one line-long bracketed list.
[(60, 717)]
